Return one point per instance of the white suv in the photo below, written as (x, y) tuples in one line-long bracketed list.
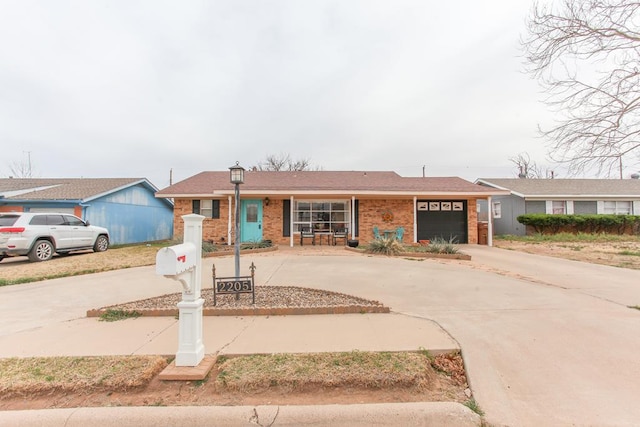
[(40, 235)]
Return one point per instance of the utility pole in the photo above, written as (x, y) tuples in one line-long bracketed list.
[(28, 163)]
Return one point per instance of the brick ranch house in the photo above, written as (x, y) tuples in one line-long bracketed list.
[(276, 206)]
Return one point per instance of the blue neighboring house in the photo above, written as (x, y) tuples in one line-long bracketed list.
[(127, 207)]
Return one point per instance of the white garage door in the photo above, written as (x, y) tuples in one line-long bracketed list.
[(55, 210)]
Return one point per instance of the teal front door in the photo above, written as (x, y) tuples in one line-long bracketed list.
[(251, 220)]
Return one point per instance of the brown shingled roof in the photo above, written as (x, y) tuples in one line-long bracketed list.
[(61, 188), (300, 182)]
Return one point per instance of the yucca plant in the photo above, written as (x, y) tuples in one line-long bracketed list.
[(385, 246), (441, 246)]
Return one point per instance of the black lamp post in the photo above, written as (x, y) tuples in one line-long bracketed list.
[(237, 178)]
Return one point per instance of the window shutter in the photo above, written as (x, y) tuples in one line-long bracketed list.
[(356, 212), (215, 209), (286, 218), (195, 206)]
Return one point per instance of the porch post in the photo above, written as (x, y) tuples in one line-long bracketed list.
[(291, 222), (489, 222), (229, 224)]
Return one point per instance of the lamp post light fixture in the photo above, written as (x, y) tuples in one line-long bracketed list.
[(237, 177)]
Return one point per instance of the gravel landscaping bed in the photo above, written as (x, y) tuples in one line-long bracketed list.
[(275, 300)]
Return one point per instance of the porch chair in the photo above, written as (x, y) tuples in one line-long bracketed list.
[(307, 233), (340, 233), (376, 233), (399, 234)]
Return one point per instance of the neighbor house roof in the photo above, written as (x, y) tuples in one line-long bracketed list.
[(323, 182), (569, 188), (80, 189)]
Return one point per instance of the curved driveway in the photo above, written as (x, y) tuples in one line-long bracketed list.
[(546, 341)]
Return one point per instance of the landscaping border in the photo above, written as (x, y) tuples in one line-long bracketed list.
[(270, 311), (458, 256), (242, 252)]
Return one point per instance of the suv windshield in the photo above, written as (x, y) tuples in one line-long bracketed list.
[(8, 219)]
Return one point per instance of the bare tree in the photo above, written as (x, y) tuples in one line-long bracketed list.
[(526, 168), (586, 55), (283, 162), (22, 169)]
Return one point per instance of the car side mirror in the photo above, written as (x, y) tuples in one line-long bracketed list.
[(86, 223)]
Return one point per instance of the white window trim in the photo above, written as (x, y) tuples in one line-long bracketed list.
[(496, 213), (348, 221), (601, 206)]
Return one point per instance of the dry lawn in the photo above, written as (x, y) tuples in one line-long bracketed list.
[(323, 378), (623, 252)]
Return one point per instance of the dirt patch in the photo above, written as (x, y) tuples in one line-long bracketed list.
[(623, 254), (433, 379)]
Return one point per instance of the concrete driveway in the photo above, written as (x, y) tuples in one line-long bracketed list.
[(546, 341)]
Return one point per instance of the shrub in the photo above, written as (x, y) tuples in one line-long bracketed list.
[(385, 246), (614, 224), (441, 246), (208, 247), (256, 245)]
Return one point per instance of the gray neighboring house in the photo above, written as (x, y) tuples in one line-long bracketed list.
[(127, 207), (557, 196)]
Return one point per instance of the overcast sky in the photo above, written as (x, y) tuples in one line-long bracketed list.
[(126, 88)]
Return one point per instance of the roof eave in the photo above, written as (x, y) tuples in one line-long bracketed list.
[(122, 187), (308, 193)]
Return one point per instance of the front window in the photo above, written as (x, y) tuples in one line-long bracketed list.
[(321, 215), (496, 209), (206, 208), (617, 208), (558, 207)]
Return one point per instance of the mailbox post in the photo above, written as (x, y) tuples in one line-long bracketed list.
[(184, 263)]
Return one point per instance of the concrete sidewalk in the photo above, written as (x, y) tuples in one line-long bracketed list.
[(233, 336)]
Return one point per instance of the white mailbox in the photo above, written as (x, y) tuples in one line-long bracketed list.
[(174, 260)]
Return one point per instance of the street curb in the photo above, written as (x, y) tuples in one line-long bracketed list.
[(379, 414)]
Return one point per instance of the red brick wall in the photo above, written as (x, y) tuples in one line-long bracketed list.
[(371, 215), (213, 229), (472, 221)]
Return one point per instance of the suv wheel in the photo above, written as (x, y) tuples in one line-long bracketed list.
[(41, 251), (101, 244)]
